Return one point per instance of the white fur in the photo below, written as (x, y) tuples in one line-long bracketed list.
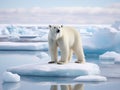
[(68, 40)]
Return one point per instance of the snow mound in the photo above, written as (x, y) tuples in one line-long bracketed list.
[(111, 56), (71, 69), (10, 77), (91, 78)]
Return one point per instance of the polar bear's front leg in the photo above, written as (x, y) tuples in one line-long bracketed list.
[(53, 51)]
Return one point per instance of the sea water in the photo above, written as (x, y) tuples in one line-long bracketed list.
[(15, 58)]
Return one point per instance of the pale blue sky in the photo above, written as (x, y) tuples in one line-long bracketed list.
[(59, 11), (55, 3)]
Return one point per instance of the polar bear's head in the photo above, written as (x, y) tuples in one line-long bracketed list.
[(55, 31)]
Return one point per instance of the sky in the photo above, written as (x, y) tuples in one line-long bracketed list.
[(59, 11)]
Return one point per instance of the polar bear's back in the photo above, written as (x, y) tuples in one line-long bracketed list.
[(70, 30), (71, 34)]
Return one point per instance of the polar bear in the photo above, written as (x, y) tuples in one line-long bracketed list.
[(68, 40)]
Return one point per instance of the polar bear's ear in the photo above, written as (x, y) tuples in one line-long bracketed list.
[(61, 26), (50, 26)]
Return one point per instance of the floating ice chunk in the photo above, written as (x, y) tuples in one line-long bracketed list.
[(110, 56), (102, 38), (71, 69), (10, 77), (91, 78)]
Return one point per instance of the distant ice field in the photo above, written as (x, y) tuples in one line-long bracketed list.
[(95, 38)]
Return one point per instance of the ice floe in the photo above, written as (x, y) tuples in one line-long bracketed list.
[(10, 77), (23, 46), (95, 78), (110, 55), (66, 70)]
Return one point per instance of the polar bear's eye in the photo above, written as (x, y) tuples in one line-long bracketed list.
[(57, 31)]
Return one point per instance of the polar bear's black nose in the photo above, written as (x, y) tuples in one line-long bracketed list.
[(57, 31)]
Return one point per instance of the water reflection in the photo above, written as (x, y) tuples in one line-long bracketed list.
[(68, 87), (107, 61), (10, 86)]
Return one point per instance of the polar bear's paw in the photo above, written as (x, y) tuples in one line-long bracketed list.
[(61, 62), (51, 62), (79, 61)]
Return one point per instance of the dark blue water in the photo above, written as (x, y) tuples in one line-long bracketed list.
[(13, 58)]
